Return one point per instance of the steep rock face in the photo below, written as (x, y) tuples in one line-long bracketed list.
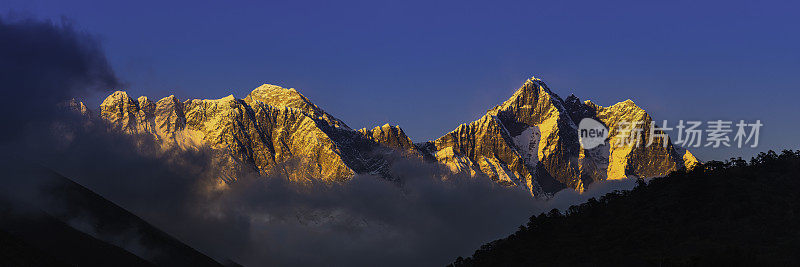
[(169, 117), (121, 111), (273, 131), (525, 133), (531, 140), (277, 96), (389, 136), (78, 106), (689, 161), (483, 146), (632, 159)]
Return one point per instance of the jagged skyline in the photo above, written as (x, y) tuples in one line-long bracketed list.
[(176, 159), (675, 60), (529, 141)]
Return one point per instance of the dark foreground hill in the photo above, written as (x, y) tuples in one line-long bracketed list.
[(69, 225), (726, 213)]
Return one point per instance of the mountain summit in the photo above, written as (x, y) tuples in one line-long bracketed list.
[(273, 131), (530, 140)]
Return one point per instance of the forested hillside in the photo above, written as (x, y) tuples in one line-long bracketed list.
[(723, 213)]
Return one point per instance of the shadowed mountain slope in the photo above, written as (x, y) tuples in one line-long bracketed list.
[(69, 224)]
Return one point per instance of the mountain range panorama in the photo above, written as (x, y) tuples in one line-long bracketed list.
[(530, 140)]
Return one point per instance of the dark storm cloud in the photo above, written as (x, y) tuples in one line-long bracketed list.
[(43, 63), (267, 220), (258, 220)]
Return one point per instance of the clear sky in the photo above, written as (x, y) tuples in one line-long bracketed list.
[(430, 66)]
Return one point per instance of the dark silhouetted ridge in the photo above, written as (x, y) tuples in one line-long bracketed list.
[(69, 224)]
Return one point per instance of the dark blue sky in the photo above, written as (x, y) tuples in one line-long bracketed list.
[(429, 66)]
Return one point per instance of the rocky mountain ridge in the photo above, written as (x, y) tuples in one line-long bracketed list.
[(530, 140), (272, 131)]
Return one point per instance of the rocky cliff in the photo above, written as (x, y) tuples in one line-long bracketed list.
[(530, 140), (391, 137), (273, 131)]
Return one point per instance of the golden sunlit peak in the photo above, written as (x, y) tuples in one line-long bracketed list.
[(269, 87), (227, 98), (270, 93), (119, 94), (113, 98), (534, 81), (626, 103)]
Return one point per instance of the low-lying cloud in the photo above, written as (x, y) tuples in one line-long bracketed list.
[(425, 220), (268, 220)]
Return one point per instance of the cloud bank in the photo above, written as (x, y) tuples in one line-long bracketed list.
[(425, 220)]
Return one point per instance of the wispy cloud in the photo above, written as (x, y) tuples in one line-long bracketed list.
[(425, 220)]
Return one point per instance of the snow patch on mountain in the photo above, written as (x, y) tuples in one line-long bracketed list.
[(527, 144)]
